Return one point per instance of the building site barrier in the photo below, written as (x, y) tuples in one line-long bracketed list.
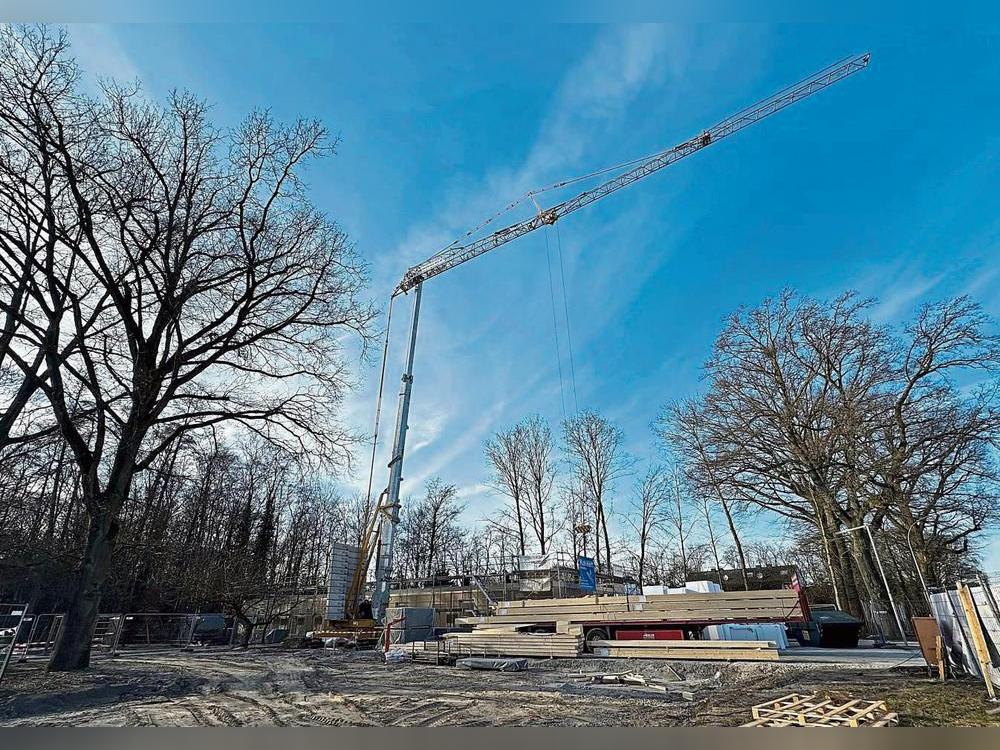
[(11, 627)]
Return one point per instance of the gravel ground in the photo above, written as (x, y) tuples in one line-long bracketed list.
[(296, 688)]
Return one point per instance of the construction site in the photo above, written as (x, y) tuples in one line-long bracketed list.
[(810, 552)]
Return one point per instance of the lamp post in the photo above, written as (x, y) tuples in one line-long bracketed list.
[(881, 570), (920, 573)]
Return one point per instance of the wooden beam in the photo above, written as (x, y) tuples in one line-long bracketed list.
[(978, 638)]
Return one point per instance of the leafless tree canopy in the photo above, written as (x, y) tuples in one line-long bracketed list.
[(648, 515), (820, 416), (524, 468), (430, 536), (177, 326), (594, 447), (162, 276)]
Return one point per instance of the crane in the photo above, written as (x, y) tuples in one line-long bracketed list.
[(457, 253)]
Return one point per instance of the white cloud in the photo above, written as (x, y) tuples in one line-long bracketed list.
[(898, 289), (459, 400), (591, 100), (101, 55)]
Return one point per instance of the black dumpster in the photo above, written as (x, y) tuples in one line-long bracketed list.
[(830, 628)]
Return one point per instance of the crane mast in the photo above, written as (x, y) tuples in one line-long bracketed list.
[(456, 254)]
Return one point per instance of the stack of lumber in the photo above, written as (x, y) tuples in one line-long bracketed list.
[(508, 641), (809, 711), (691, 650), (709, 608)]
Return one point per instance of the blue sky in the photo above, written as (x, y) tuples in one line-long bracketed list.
[(886, 183)]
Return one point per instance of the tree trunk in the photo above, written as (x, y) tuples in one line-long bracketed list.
[(736, 540), (712, 541), (72, 651), (607, 539), (642, 558), (520, 522), (597, 536), (843, 573), (541, 522)]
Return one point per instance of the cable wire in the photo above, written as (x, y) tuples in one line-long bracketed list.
[(555, 325), (569, 337), (378, 401)]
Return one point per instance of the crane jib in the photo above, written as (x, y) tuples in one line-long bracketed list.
[(455, 255)]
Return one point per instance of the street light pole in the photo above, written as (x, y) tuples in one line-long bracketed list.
[(920, 574), (881, 570)]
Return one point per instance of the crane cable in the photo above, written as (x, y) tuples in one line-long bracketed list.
[(378, 401), (569, 336), (555, 324)]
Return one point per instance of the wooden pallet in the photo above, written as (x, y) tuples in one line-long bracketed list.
[(811, 711)]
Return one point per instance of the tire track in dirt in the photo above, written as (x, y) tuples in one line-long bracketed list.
[(430, 712), (261, 707)]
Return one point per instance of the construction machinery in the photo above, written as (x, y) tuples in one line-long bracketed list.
[(381, 533)]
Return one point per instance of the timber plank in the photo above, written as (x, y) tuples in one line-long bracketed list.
[(692, 655), (775, 594), (690, 645)]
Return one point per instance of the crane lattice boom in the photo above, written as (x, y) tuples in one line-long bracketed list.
[(455, 255)]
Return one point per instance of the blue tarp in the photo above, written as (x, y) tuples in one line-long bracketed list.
[(588, 575)]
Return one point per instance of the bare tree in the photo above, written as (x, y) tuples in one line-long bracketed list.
[(441, 509), (539, 470), (812, 415), (675, 513), (430, 535), (505, 453), (186, 282), (594, 448), (651, 495), (932, 464), (577, 518), (353, 517), (682, 427)]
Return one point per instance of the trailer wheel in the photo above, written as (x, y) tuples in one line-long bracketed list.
[(596, 634)]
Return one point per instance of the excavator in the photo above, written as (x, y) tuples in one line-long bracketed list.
[(365, 619)]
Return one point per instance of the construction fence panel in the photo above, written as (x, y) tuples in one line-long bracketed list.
[(12, 621), (42, 633), (957, 635)]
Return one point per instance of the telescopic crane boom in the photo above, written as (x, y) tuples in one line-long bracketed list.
[(456, 254)]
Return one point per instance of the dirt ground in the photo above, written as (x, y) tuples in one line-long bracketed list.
[(295, 688)]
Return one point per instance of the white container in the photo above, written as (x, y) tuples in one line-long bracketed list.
[(702, 587), (757, 631)]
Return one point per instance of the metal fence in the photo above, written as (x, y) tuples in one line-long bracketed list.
[(12, 617), (114, 634), (880, 622)]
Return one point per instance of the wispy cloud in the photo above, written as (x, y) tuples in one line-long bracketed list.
[(101, 55), (590, 101), (898, 289), (459, 400)]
